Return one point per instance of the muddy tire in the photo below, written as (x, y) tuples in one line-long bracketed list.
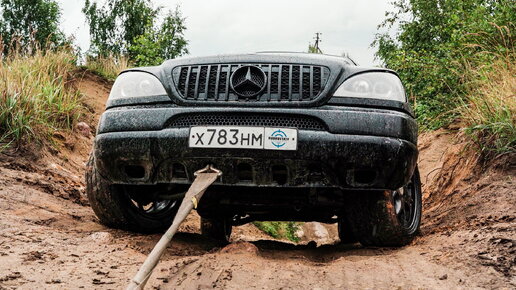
[(115, 205), (386, 218), (217, 229)]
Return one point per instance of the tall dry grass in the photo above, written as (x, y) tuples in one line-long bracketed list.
[(36, 97), (107, 67), (490, 108), (490, 115)]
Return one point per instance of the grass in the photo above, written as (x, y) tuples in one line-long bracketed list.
[(280, 230), (107, 67), (490, 111), (490, 115), (36, 97)]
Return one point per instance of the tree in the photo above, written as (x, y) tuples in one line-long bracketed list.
[(428, 49), (164, 42), (132, 28), (114, 26), (27, 22)]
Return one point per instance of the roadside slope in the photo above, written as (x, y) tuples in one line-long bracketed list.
[(50, 238)]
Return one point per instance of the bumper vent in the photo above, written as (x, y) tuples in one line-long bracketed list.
[(228, 119), (284, 83)]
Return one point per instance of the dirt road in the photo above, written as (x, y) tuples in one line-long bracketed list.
[(50, 238)]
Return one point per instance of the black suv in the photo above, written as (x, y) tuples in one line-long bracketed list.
[(298, 137)]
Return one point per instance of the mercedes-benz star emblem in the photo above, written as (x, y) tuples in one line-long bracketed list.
[(248, 81)]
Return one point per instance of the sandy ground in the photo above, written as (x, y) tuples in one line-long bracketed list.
[(50, 238)]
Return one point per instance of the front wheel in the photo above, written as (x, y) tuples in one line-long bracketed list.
[(133, 208), (386, 218)]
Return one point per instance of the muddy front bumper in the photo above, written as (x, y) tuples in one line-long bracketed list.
[(358, 148)]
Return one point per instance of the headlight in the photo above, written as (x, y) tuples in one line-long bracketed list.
[(136, 84), (373, 85)]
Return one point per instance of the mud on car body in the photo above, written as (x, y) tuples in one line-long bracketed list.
[(299, 137)]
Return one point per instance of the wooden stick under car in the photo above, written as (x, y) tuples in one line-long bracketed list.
[(204, 178)]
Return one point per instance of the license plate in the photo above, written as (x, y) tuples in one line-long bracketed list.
[(243, 137)]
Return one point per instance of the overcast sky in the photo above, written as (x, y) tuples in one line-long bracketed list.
[(235, 26)]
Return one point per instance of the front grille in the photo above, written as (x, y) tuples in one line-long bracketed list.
[(258, 120), (285, 82)]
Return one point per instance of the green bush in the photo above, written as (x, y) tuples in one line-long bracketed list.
[(428, 49), (280, 230)]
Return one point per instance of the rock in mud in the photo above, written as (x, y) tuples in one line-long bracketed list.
[(84, 129), (300, 233), (314, 231), (101, 237), (320, 232)]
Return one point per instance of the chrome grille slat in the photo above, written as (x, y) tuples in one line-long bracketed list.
[(217, 81), (290, 82), (269, 83), (187, 82), (311, 80), (300, 82), (196, 89), (280, 82), (207, 80), (226, 92), (285, 82)]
